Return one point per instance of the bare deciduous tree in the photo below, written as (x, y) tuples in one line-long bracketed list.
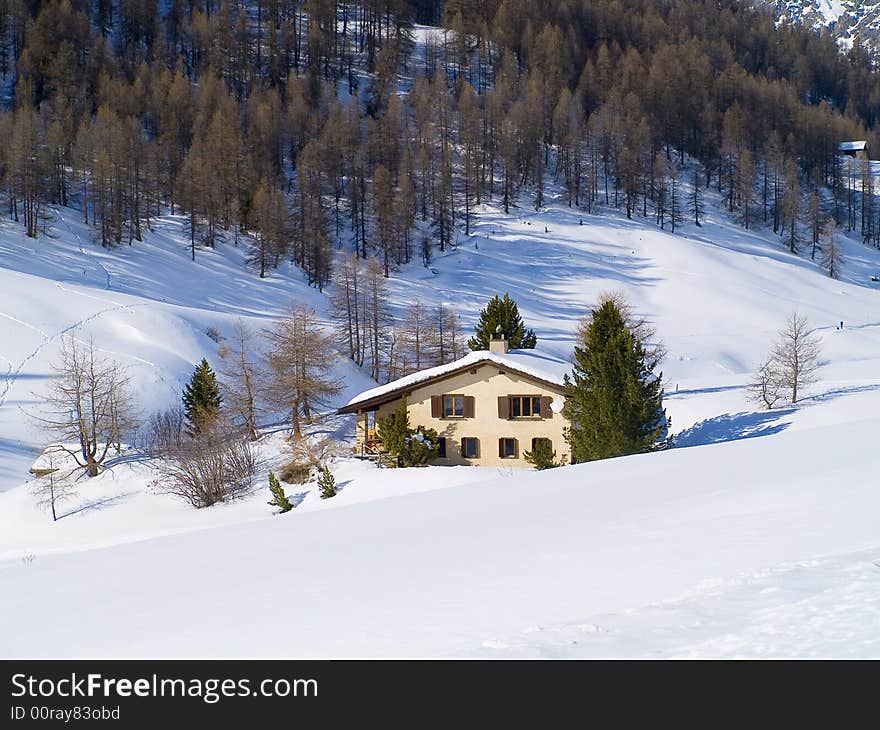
[(345, 307), (50, 487), (376, 318), (300, 359), (414, 333), (241, 374), (765, 387), (90, 405), (795, 357), (449, 343), (832, 259)]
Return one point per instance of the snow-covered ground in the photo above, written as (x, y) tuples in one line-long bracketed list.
[(756, 536), (759, 546)]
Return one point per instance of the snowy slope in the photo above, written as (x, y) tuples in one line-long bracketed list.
[(147, 306), (735, 547), (675, 553), (717, 295)]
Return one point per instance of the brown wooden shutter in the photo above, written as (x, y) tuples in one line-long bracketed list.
[(436, 406), (516, 448), (546, 400), (468, 406), (461, 448), (501, 448), (503, 406)]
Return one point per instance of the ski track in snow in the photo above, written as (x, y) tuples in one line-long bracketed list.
[(12, 376), (14, 371), (91, 257)]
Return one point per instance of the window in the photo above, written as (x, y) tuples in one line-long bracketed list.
[(538, 442), (453, 405), (470, 448), (525, 406), (507, 448), (441, 451)]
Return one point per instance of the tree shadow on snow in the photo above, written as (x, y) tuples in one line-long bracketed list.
[(97, 504), (701, 391), (733, 427), (838, 392)]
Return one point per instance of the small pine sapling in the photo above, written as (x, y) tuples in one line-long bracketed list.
[(326, 483), (279, 498)]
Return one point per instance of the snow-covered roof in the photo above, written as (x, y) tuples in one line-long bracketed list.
[(856, 146), (527, 362)]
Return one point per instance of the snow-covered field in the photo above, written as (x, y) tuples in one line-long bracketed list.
[(756, 536)]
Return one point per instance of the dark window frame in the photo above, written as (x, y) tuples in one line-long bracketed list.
[(472, 440), (533, 403), (536, 439), (509, 440)]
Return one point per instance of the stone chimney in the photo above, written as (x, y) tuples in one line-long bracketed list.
[(499, 343)]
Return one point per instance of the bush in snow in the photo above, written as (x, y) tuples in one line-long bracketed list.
[(165, 432), (294, 472), (412, 446), (542, 456), (327, 483), (422, 445), (308, 456), (219, 466)]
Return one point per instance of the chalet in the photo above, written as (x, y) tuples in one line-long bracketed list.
[(857, 150), (488, 407)]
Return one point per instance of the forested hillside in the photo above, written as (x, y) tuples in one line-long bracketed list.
[(349, 139)]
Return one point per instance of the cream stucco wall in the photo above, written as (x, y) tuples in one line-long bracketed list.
[(486, 382)]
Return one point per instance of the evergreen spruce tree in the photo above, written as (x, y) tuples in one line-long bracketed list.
[(615, 407), (279, 498), (504, 312), (326, 483), (201, 398)]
